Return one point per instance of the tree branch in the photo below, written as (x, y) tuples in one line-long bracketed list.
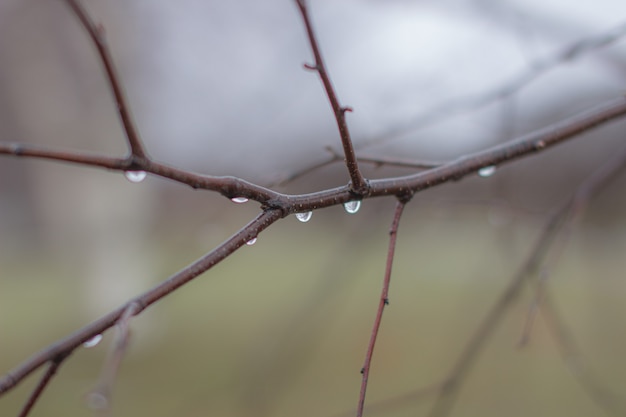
[(384, 301), (67, 345), (358, 182), (97, 36), (399, 186)]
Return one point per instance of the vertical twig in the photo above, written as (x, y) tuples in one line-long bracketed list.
[(359, 184), (384, 300), (97, 35), (100, 398), (43, 383)]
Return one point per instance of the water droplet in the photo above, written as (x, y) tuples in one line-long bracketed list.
[(135, 176), (304, 217), (352, 206), (97, 401), (251, 241), (93, 341), (487, 171), (239, 200)]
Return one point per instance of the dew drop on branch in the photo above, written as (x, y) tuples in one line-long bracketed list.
[(487, 171), (251, 241), (135, 176), (239, 200), (93, 341), (304, 217), (352, 207)]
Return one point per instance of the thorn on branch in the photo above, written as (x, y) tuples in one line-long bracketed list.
[(386, 301), (311, 67), (347, 109)]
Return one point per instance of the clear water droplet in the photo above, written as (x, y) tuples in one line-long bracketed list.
[(93, 341), (135, 176), (487, 171), (304, 217), (97, 401), (352, 207), (251, 241), (239, 200)]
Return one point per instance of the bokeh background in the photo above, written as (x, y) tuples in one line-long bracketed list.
[(280, 328)]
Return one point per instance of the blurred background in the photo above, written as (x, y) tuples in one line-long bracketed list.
[(281, 327)]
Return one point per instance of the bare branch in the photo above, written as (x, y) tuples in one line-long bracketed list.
[(359, 183), (67, 345), (43, 383), (384, 301), (97, 36)]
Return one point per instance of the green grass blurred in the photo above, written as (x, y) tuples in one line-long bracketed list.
[(281, 327)]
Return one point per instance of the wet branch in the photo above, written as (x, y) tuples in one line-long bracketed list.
[(384, 301), (359, 183), (67, 345), (394, 186), (476, 101)]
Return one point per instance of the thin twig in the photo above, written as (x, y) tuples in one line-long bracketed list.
[(100, 397), (384, 301), (456, 377), (43, 383), (97, 36), (359, 183)]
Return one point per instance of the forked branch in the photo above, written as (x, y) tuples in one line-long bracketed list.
[(276, 205), (67, 345), (98, 37)]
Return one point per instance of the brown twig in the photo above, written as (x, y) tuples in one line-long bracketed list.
[(97, 36), (590, 187), (359, 184), (67, 345), (384, 301), (43, 383)]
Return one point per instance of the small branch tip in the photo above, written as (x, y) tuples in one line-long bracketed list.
[(347, 109)]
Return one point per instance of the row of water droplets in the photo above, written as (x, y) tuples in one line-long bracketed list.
[(351, 207)]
